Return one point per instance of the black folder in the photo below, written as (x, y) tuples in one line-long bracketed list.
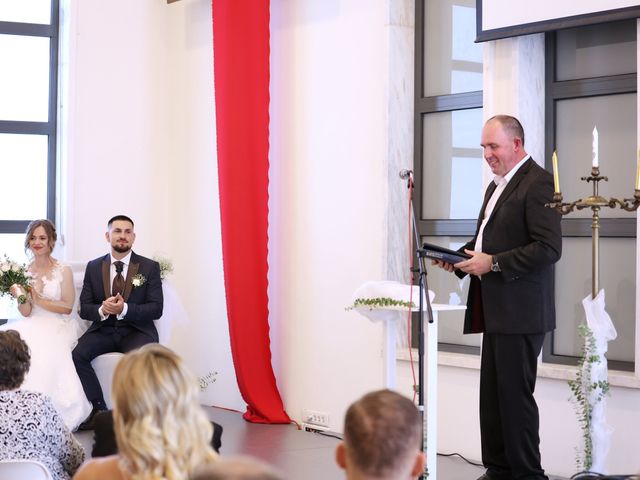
[(445, 254)]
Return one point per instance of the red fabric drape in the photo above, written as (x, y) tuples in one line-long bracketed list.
[(241, 67)]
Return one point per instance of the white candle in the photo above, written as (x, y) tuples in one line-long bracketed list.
[(594, 148), (556, 175)]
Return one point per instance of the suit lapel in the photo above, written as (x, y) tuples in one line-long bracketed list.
[(132, 271), (487, 195), (106, 276), (513, 183)]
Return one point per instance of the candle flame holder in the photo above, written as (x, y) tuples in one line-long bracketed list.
[(595, 202)]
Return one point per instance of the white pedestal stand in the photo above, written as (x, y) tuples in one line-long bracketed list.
[(389, 316)]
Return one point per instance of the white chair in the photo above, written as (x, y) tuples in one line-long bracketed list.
[(104, 365), (24, 470)]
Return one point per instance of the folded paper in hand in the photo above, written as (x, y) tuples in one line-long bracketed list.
[(441, 253)]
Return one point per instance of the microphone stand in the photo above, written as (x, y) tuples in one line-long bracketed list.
[(423, 313)]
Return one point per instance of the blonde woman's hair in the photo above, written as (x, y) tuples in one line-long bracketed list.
[(161, 430)]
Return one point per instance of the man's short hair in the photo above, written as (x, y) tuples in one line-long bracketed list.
[(382, 432), (510, 124), (119, 217)]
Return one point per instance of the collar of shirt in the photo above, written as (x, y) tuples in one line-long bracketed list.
[(125, 260), (504, 180)]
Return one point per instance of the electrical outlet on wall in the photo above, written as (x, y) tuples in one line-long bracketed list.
[(313, 417)]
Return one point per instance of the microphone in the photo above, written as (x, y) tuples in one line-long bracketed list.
[(405, 174)]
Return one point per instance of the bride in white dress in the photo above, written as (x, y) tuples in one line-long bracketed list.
[(47, 328)]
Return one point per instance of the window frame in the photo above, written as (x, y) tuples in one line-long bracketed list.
[(48, 128), (552, 24), (424, 106), (581, 227)]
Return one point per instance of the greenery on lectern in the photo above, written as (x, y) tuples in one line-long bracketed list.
[(380, 302)]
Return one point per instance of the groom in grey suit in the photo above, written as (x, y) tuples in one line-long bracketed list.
[(121, 296)]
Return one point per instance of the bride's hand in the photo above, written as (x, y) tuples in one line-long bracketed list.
[(17, 290), (35, 296)]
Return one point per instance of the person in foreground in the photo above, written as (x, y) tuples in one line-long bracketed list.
[(104, 437), (382, 438), (162, 432), (511, 298), (46, 327), (237, 468), (121, 296), (30, 427)]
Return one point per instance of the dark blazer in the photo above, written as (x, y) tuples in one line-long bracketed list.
[(144, 303), (104, 440), (525, 237)]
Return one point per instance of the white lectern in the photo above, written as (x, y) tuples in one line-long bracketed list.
[(389, 316)]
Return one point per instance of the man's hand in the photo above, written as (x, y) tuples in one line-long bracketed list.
[(444, 265), (113, 305), (478, 264)]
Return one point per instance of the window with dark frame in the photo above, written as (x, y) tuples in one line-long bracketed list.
[(28, 119), (452, 227), (591, 80), (447, 158)]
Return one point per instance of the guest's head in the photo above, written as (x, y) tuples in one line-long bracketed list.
[(502, 143), (237, 468), (382, 438), (14, 360), (120, 234), (161, 430), (41, 237), (511, 125)]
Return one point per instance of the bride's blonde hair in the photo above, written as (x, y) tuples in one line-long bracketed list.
[(161, 430)]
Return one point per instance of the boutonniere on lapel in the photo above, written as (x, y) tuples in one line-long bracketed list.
[(138, 280)]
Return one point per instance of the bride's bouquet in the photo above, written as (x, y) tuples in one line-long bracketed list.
[(14, 273)]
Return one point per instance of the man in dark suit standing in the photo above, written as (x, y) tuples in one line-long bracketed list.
[(121, 296), (511, 298)]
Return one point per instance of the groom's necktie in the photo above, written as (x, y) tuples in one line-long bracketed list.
[(118, 280)]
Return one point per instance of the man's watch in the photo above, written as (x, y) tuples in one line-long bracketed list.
[(495, 267)]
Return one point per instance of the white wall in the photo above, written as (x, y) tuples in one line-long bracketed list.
[(458, 425), (138, 137), (328, 197)]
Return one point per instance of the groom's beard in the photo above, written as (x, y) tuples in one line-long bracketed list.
[(121, 249)]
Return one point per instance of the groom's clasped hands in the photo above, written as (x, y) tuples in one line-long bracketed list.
[(113, 305)]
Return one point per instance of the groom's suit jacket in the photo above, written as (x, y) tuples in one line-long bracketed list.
[(526, 238), (144, 302)]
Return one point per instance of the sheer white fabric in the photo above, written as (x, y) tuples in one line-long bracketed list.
[(80, 325), (173, 312), (603, 330), (51, 337)]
